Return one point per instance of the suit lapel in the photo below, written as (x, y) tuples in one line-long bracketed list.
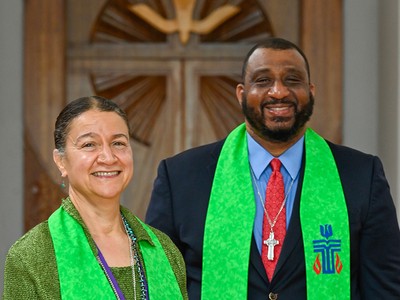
[(256, 262), (215, 151)]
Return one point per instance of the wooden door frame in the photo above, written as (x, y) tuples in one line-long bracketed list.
[(44, 97)]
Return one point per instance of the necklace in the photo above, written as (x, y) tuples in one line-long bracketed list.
[(270, 222), (110, 277), (132, 264), (135, 261)]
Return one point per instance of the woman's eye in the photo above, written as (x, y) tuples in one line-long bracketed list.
[(88, 146), (119, 144)]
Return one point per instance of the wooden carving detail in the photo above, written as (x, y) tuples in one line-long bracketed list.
[(184, 22), (135, 22), (182, 95), (218, 99), (215, 21), (137, 95), (177, 88), (249, 25), (116, 24)]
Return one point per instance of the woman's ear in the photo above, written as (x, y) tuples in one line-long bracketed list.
[(58, 158)]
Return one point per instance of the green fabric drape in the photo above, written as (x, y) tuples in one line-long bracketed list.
[(80, 274), (324, 224), (230, 218)]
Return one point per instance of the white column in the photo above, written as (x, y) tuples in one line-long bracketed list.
[(371, 99), (388, 97), (11, 129)]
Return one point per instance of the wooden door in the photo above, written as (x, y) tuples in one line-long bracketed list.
[(176, 80)]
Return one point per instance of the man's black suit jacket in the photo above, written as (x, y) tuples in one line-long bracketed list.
[(179, 203)]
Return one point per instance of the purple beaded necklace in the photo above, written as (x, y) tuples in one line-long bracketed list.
[(110, 276), (134, 261)]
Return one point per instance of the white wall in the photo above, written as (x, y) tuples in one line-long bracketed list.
[(360, 118), (397, 127), (371, 83), (371, 99), (388, 97), (11, 129)]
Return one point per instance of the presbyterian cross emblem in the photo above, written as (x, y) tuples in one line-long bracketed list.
[(327, 260)]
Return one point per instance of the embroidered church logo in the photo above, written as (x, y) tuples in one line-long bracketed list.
[(327, 260)]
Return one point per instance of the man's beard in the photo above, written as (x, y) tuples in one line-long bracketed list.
[(257, 120)]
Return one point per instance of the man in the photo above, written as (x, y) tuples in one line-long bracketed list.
[(332, 232)]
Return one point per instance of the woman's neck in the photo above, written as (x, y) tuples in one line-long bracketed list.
[(104, 222)]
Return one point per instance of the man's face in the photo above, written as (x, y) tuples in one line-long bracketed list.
[(276, 97)]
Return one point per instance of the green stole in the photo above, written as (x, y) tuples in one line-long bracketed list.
[(81, 276), (230, 219)]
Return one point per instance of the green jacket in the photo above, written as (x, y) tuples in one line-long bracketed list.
[(31, 270)]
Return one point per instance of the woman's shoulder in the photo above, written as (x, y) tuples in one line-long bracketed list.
[(36, 241), (30, 269)]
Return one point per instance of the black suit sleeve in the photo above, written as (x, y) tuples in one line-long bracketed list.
[(159, 213), (380, 242)]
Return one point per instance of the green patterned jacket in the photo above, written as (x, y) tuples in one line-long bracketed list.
[(31, 270)]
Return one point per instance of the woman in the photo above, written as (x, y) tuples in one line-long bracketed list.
[(91, 247)]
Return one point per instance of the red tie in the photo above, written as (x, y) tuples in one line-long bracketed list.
[(272, 240)]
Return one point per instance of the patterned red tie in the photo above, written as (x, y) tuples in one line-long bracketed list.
[(272, 239)]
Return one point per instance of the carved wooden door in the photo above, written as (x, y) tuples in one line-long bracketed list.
[(172, 65)]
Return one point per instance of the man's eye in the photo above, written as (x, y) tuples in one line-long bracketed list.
[(263, 81), (293, 79)]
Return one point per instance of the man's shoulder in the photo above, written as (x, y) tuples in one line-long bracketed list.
[(352, 160), (349, 152)]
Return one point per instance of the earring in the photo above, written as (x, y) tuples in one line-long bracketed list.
[(62, 184)]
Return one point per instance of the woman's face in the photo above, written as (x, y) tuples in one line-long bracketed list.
[(98, 157)]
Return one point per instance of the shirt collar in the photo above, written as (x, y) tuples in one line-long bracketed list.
[(260, 158)]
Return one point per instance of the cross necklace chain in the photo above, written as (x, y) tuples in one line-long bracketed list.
[(271, 242)]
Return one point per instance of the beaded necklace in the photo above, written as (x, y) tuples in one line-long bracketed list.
[(136, 261), (110, 277), (133, 252)]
